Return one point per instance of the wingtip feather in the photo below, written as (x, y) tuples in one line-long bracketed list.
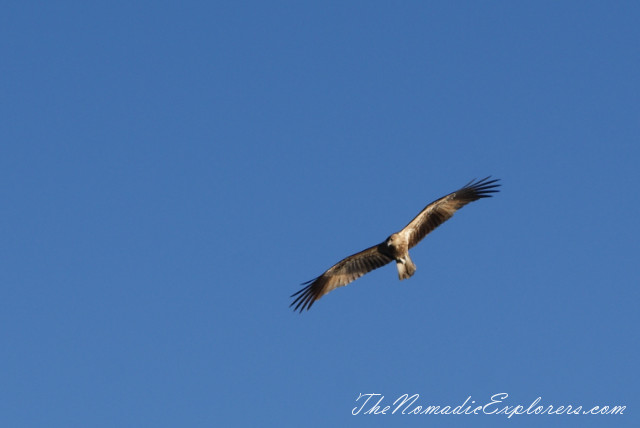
[(306, 296), (484, 187)]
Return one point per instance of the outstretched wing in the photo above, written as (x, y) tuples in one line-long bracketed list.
[(342, 273), (441, 210)]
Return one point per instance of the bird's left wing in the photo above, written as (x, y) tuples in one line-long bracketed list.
[(342, 273), (441, 210)]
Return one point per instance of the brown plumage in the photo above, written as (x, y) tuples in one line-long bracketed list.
[(395, 247)]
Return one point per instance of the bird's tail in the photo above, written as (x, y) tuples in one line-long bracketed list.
[(406, 268)]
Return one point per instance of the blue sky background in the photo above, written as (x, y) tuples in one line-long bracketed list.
[(171, 172)]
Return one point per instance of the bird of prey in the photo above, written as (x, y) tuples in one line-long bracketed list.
[(395, 247)]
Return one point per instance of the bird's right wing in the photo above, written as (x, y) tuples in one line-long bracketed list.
[(342, 273)]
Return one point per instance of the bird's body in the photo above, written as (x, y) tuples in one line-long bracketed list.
[(398, 248), (395, 247)]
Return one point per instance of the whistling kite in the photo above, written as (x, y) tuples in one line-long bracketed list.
[(395, 247)]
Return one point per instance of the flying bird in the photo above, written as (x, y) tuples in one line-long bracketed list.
[(395, 247)]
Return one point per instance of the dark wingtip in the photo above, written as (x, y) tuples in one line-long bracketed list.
[(484, 187), (306, 296)]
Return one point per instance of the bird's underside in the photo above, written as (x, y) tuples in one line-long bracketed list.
[(395, 247)]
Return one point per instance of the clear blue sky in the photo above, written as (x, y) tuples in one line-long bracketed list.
[(171, 172)]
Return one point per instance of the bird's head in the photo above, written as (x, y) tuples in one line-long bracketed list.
[(392, 240)]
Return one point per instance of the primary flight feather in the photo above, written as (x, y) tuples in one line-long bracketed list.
[(395, 247)]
